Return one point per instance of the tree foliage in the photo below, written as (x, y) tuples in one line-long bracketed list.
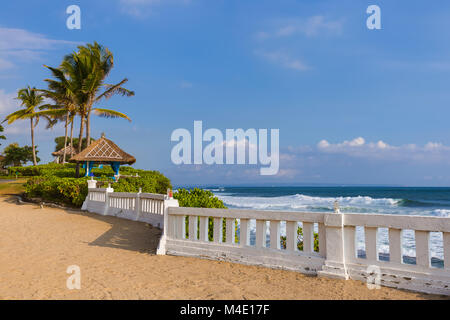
[(18, 156), (59, 143), (2, 137)]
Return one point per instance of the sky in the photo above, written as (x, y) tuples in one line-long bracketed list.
[(352, 105)]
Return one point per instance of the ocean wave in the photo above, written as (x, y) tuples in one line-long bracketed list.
[(300, 201), (420, 203)]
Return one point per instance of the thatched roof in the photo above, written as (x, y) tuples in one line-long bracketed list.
[(103, 151), (70, 151)]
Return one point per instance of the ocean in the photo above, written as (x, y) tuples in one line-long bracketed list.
[(425, 201)]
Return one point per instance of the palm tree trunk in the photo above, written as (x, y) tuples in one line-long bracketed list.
[(32, 142), (80, 144), (65, 137), (88, 129), (71, 132), (80, 137)]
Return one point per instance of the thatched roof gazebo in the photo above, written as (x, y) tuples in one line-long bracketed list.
[(103, 151), (70, 152)]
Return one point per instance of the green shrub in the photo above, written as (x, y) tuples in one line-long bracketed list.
[(56, 182), (61, 170), (148, 181), (200, 198), (68, 191), (300, 242)]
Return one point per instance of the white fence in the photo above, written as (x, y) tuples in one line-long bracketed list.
[(228, 238), (145, 207)]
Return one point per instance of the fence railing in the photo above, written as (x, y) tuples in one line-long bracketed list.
[(145, 207), (323, 244)]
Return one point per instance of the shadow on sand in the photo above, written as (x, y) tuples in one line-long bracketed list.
[(123, 234)]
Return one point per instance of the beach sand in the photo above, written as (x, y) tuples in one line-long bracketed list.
[(117, 260)]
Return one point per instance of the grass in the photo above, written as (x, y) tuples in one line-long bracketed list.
[(12, 187)]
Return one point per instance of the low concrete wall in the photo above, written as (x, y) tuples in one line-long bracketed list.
[(144, 207), (337, 256)]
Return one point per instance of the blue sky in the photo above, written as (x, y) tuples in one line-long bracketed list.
[(354, 106)]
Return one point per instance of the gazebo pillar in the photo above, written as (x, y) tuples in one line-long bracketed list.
[(115, 166), (89, 166)]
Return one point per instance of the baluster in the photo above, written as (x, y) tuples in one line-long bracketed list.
[(422, 248), (291, 235), (218, 233), (192, 227), (446, 244), (308, 237), (395, 245), (371, 243), (244, 232), (349, 242), (204, 229), (181, 227), (261, 230), (322, 240), (171, 226), (275, 234), (230, 230)]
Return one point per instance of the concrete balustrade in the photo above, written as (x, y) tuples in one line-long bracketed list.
[(337, 254), (144, 207)]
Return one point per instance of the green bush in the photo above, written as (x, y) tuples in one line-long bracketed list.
[(68, 191), (200, 198), (56, 182), (60, 170), (148, 181), (300, 242)]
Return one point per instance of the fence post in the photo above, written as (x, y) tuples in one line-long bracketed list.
[(168, 202), (335, 247), (137, 205), (91, 185), (106, 207)]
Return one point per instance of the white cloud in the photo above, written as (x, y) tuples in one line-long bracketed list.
[(310, 27), (431, 151), (7, 103), (282, 58), (23, 45), (142, 8)]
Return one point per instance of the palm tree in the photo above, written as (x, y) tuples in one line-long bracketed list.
[(87, 69), (30, 100), (65, 108), (2, 137)]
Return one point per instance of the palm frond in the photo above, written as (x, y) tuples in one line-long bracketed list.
[(107, 113)]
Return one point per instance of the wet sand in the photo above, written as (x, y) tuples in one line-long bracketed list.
[(117, 261)]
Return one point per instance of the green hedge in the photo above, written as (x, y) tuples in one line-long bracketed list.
[(68, 191), (200, 198), (52, 169), (57, 183), (148, 181)]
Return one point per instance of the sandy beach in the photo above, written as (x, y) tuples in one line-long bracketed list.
[(117, 260)]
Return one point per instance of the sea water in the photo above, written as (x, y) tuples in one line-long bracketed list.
[(366, 200)]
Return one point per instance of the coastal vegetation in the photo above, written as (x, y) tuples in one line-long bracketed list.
[(14, 155), (74, 91)]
